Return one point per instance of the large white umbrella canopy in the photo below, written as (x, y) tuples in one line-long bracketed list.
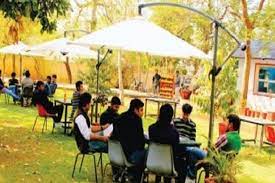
[(140, 35), (60, 48)]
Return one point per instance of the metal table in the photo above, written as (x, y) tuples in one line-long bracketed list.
[(183, 141), (160, 101), (66, 103), (257, 122)]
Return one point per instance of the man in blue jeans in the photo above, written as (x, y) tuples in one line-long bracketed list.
[(128, 130), (187, 129), (85, 134)]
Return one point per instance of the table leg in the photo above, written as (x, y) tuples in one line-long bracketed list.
[(256, 133), (145, 108), (65, 120), (158, 109), (262, 137)]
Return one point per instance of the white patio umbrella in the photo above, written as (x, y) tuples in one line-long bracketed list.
[(16, 49), (140, 35), (60, 49)]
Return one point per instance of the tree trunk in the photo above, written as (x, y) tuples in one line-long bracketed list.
[(13, 63), (69, 72), (94, 17), (120, 81), (247, 66)]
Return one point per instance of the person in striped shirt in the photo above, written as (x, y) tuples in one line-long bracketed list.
[(187, 129), (185, 126)]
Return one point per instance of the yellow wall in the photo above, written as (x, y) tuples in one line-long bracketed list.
[(40, 68)]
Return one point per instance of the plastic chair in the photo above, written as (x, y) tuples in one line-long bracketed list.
[(91, 153), (43, 114), (270, 137), (117, 158), (160, 161)]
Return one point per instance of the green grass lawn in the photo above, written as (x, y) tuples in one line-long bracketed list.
[(27, 156)]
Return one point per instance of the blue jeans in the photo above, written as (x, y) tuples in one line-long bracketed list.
[(137, 158), (98, 146), (195, 154), (9, 92)]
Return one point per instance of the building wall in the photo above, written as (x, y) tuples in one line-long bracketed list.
[(251, 76)]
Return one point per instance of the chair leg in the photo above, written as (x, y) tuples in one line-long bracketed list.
[(53, 127), (104, 172), (81, 162), (44, 125), (101, 164), (95, 168), (75, 163), (142, 177), (34, 123)]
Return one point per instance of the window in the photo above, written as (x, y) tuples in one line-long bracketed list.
[(265, 79)]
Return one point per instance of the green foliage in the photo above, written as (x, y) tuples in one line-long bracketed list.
[(226, 94), (225, 165), (42, 11), (105, 77)]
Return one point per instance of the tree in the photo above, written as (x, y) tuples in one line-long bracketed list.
[(42, 11)]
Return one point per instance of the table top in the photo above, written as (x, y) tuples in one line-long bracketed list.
[(183, 141), (162, 100), (62, 101), (256, 120)]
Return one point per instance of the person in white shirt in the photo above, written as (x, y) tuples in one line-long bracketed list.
[(88, 136)]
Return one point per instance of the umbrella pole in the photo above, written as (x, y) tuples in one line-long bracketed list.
[(213, 77), (20, 72), (97, 84), (13, 63)]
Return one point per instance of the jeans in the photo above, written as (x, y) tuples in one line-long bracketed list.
[(137, 158), (195, 154), (98, 146), (9, 92)]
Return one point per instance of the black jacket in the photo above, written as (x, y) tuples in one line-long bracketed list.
[(164, 135), (40, 97), (109, 116), (129, 131)]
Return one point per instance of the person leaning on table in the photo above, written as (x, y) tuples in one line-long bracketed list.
[(85, 133)]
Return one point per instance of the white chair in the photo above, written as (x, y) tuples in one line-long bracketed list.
[(160, 161), (117, 159)]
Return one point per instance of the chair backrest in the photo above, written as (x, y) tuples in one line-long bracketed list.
[(270, 134), (41, 110), (27, 91), (115, 152), (160, 159)]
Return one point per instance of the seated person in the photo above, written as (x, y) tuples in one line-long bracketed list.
[(85, 134), (5, 90), (187, 129), (79, 89), (111, 114), (53, 85), (27, 88), (129, 131), (13, 82), (231, 140), (41, 98), (165, 133), (48, 86)]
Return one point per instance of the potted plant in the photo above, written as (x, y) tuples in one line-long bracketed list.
[(225, 167)]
